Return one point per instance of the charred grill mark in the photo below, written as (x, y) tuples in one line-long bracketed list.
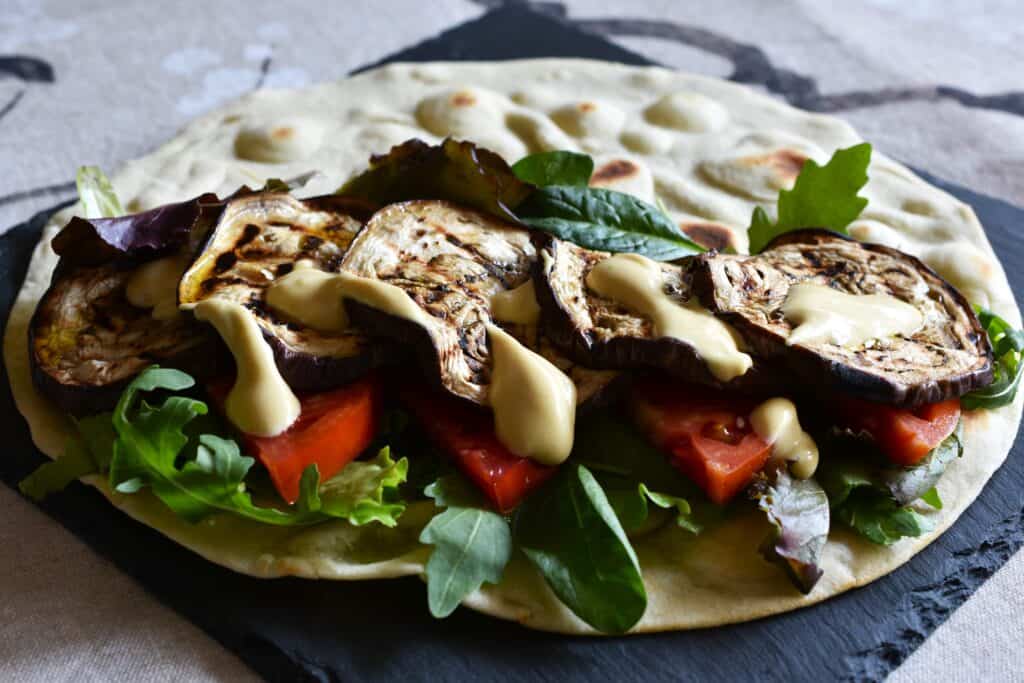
[(248, 235), (225, 261), (496, 270), (311, 243)]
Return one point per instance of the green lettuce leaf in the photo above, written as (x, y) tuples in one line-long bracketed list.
[(798, 511), (1007, 346), (604, 219), (150, 450), (96, 194), (472, 544), (822, 197), (572, 535), (860, 499), (555, 168)]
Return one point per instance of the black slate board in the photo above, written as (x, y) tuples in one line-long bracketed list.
[(290, 629)]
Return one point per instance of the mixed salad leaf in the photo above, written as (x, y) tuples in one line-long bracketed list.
[(1007, 347), (822, 197), (570, 532), (596, 218), (472, 544), (457, 171), (96, 194), (798, 511)]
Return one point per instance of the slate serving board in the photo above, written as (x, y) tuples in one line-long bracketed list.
[(292, 629)]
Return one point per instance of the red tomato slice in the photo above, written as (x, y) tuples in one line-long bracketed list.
[(904, 435), (333, 428), (467, 436), (709, 437)]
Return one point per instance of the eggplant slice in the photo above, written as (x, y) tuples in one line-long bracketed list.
[(601, 333), (451, 260), (948, 357), (260, 238), (87, 342)]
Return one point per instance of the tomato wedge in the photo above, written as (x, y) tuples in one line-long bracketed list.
[(709, 436), (333, 428), (904, 435), (467, 436)]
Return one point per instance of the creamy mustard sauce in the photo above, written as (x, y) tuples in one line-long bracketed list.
[(314, 298), (154, 285), (534, 403), (637, 282), (822, 314), (517, 305), (776, 422), (310, 297), (260, 402)]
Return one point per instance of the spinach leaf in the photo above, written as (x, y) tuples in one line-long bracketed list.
[(1007, 346), (604, 219), (96, 194), (457, 171), (555, 168), (799, 512), (472, 544), (571, 534), (908, 484), (822, 197)]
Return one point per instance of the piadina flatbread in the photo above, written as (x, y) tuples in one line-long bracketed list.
[(710, 150)]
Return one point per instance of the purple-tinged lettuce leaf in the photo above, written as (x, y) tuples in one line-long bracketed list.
[(799, 512), (93, 241)]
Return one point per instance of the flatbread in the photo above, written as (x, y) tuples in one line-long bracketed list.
[(709, 149)]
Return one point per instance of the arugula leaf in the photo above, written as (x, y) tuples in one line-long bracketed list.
[(151, 440), (798, 509), (472, 544), (822, 197), (555, 168), (1007, 346), (572, 535), (603, 219), (908, 484), (96, 194)]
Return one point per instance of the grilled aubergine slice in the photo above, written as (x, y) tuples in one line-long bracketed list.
[(601, 333), (947, 357), (86, 340), (451, 261), (260, 238)]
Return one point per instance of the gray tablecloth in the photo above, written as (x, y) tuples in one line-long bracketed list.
[(932, 84)]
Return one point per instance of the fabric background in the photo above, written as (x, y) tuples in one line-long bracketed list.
[(936, 85)]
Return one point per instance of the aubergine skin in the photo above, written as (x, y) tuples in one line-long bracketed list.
[(601, 333), (86, 342), (948, 357), (258, 238), (450, 260)]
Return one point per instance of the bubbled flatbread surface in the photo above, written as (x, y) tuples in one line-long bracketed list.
[(709, 149)]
